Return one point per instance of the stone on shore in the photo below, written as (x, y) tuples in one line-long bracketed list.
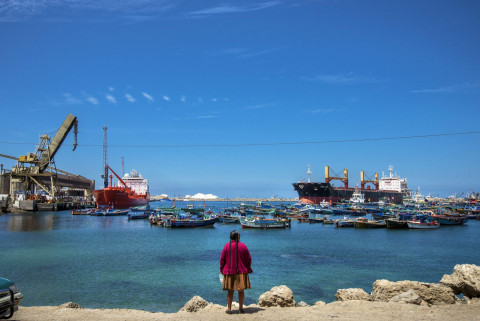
[(280, 296), (71, 305), (464, 279), (410, 297), (352, 294), (302, 304), (431, 293), (195, 304)]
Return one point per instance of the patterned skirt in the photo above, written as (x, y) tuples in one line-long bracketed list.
[(237, 282)]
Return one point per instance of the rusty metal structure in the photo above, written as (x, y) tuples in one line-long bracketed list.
[(38, 171)]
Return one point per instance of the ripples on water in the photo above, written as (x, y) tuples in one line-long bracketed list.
[(110, 262)]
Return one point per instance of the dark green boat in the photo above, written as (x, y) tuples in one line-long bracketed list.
[(395, 223)]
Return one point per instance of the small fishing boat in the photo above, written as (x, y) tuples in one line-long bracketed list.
[(115, 212), (361, 222), (228, 219), (415, 224), (449, 219), (138, 215), (394, 223), (329, 221), (189, 222), (264, 223), (85, 211), (316, 219), (376, 224), (345, 223)]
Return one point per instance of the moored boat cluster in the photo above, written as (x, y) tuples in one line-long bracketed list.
[(264, 215)]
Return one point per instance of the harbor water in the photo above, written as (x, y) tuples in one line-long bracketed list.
[(111, 262)]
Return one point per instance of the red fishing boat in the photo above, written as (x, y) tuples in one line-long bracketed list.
[(128, 194)]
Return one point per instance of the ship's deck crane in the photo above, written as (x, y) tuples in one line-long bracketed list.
[(363, 181), (329, 178)]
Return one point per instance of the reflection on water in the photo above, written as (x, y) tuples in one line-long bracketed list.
[(30, 222)]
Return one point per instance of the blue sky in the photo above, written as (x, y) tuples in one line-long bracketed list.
[(174, 80)]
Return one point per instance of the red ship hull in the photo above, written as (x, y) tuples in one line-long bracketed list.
[(120, 197)]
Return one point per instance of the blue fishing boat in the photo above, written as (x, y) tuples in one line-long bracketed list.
[(138, 215), (449, 219), (189, 222), (115, 212), (316, 219), (346, 222)]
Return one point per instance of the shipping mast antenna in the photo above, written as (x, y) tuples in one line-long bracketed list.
[(105, 160), (309, 172)]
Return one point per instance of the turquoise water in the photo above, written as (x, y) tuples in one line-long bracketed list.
[(110, 262)]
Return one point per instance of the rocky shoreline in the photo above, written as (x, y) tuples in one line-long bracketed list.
[(402, 300)]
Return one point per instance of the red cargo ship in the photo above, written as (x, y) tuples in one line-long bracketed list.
[(135, 193)]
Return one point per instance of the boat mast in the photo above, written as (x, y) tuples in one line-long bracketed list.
[(309, 172)]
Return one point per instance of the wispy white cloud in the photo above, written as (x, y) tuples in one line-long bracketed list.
[(67, 10), (166, 98), (223, 8), (71, 100), (183, 99), (149, 97), (130, 98), (214, 100), (261, 106), (200, 100), (459, 88), (344, 79), (252, 54), (92, 100), (111, 89), (241, 53), (111, 99), (325, 110), (206, 117)]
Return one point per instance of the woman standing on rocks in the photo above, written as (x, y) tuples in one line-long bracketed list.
[(235, 265)]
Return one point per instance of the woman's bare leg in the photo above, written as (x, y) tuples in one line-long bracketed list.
[(229, 299), (241, 298)]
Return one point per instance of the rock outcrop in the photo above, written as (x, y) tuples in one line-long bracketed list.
[(464, 279), (431, 293), (280, 296), (71, 305), (302, 304), (410, 297), (195, 304), (319, 304), (352, 294)]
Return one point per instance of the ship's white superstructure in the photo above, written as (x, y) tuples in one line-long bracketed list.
[(136, 182), (392, 182)]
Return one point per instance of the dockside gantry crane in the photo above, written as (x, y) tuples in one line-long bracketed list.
[(38, 168)]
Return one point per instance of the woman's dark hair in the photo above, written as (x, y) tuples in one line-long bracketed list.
[(234, 236)]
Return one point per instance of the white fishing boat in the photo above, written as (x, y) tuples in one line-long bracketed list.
[(415, 224), (264, 223)]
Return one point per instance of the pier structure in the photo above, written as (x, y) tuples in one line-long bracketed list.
[(36, 173)]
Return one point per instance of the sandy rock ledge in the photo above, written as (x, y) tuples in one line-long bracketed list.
[(280, 296), (464, 279)]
